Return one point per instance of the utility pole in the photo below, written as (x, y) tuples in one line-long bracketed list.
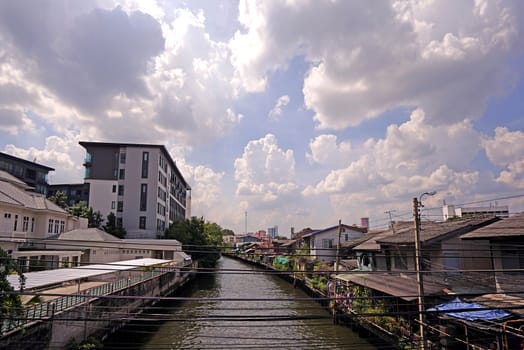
[(245, 224), (418, 267), (420, 282), (391, 226), (338, 245)]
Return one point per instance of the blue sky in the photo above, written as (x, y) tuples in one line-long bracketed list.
[(299, 113)]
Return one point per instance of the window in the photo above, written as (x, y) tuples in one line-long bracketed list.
[(347, 237), (401, 262), (122, 174), (25, 224), (7, 215), (113, 204), (145, 164), (120, 207), (57, 226), (120, 190), (115, 173), (62, 226), (142, 223), (143, 197), (50, 226), (32, 224), (16, 223), (122, 158), (327, 243), (114, 188)]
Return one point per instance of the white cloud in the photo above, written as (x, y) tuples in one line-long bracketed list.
[(65, 155), (326, 151), (442, 56), (276, 111), (413, 157), (505, 149), (265, 170)]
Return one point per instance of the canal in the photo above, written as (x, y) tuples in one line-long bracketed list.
[(237, 308)]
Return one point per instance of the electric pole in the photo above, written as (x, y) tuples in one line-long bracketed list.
[(420, 282), (338, 245)]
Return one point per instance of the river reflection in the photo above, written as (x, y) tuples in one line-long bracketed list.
[(287, 320)]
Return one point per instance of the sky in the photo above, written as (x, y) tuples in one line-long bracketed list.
[(292, 113)]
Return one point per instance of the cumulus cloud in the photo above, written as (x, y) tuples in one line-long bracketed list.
[(326, 151), (265, 172), (276, 111), (413, 157), (64, 154), (505, 149), (111, 70), (442, 56)]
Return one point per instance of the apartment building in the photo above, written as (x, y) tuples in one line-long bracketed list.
[(32, 173), (139, 183)]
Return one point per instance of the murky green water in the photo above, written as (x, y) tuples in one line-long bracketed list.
[(282, 322)]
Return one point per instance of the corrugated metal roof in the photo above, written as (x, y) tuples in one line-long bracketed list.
[(401, 287), (510, 227), (40, 279), (431, 230)]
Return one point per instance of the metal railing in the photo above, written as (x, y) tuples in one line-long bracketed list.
[(48, 309)]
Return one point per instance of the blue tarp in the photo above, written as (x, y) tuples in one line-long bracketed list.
[(457, 304)]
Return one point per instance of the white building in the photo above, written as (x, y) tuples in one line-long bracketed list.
[(139, 183), (27, 218), (450, 211)]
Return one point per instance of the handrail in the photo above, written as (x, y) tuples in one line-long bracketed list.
[(49, 308)]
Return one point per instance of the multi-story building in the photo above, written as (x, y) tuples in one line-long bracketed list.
[(33, 174), (139, 183), (75, 193)]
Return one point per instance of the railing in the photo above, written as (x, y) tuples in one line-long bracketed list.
[(49, 309)]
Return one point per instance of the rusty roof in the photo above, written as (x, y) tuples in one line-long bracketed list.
[(509, 227)]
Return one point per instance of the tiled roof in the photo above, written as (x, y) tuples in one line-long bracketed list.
[(431, 230), (14, 195), (510, 227)]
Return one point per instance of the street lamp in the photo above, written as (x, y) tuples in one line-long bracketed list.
[(417, 203)]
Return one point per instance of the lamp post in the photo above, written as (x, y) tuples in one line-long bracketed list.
[(417, 203)]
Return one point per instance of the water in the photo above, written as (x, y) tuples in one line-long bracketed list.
[(282, 322)]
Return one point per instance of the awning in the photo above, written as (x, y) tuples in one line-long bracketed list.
[(467, 311)]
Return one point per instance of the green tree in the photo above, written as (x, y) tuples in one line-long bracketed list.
[(227, 232), (199, 239), (59, 198), (94, 218), (10, 302), (112, 227), (80, 209)]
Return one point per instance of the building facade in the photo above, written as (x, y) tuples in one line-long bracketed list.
[(75, 193), (139, 183), (27, 218), (33, 174)]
